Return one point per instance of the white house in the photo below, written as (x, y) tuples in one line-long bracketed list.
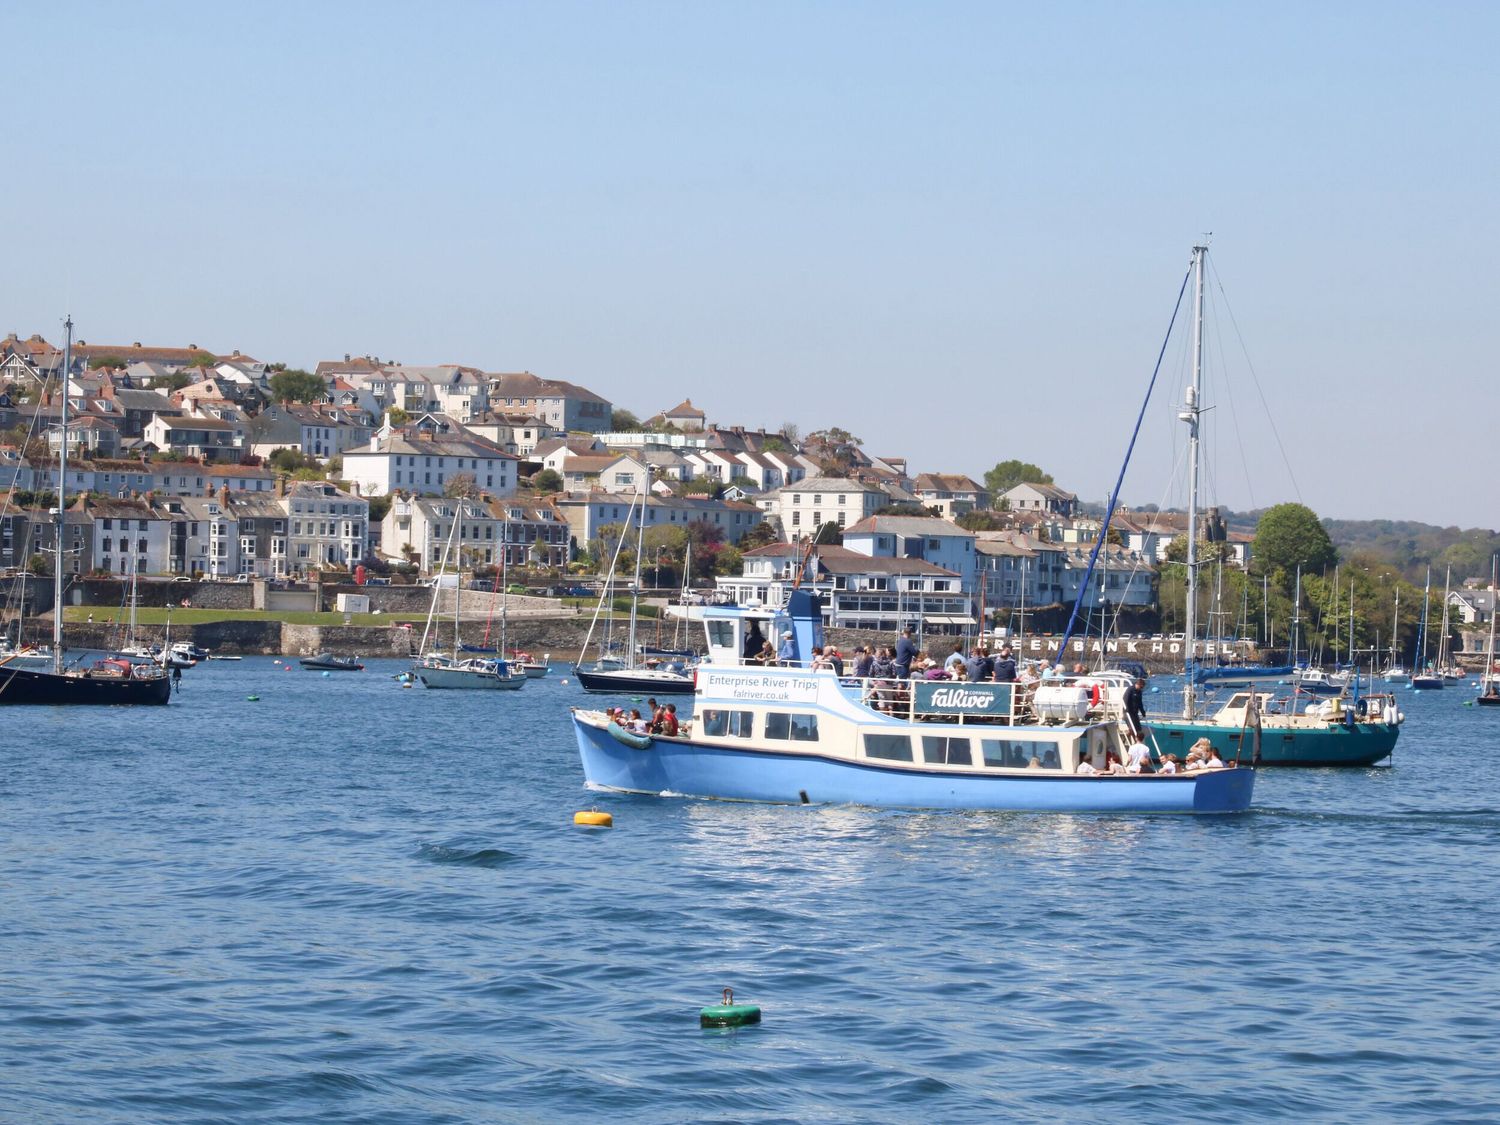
[(1028, 497), (426, 463), (929, 538), (208, 439), (327, 526), (129, 536), (858, 592), (806, 506)]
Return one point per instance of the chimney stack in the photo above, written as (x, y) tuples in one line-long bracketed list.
[(280, 486)]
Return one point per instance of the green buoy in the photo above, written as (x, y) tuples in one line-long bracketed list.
[(728, 1014), (252, 699)]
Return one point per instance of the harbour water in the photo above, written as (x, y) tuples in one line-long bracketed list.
[(355, 902)]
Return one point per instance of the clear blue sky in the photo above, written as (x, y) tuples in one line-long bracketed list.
[(954, 229)]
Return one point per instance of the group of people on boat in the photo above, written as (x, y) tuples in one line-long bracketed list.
[(663, 719), (1200, 756)]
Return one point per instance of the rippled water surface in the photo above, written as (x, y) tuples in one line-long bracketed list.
[(354, 902)]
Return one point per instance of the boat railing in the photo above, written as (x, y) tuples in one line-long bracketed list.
[(1009, 703)]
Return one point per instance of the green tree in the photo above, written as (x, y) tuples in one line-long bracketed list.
[(829, 535), (981, 519), (762, 534), (622, 421), (294, 385), (100, 362), (1007, 474), (379, 506), (398, 416), (175, 381), (548, 480), (1289, 536), (202, 359), (835, 450)]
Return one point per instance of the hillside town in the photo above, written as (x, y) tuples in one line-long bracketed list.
[(219, 466)]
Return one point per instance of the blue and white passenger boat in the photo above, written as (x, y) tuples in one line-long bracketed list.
[(799, 735)]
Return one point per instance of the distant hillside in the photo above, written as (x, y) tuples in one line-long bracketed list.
[(1405, 544)]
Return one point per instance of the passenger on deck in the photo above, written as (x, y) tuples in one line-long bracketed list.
[(1168, 764), (767, 655), (835, 660), (1086, 768), (954, 664), (1005, 666), (786, 656), (1135, 708), (1052, 673), (637, 725), (669, 725), (1197, 754), (755, 640), (864, 661), (974, 667), (906, 652), (1212, 761), (820, 660), (1138, 758), (1113, 763)]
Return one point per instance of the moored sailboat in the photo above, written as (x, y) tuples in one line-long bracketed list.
[(1365, 731), (104, 681), (635, 672)]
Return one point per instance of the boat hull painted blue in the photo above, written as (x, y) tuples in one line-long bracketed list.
[(695, 770)]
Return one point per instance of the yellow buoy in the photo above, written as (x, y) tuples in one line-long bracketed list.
[(594, 819)]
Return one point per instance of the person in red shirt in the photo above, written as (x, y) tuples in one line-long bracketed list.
[(669, 720)]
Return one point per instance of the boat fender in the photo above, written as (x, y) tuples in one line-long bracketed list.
[(728, 1014), (593, 818), (629, 738)]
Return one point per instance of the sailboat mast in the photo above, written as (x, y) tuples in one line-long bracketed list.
[(635, 589), (1488, 676), (1395, 624), (504, 579), (62, 493), (1190, 414), (1297, 615)]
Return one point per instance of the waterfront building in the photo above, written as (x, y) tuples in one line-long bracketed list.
[(564, 406), (857, 591), (587, 512), (951, 494), (426, 462)]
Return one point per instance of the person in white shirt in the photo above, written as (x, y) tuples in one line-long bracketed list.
[(1168, 764), (1138, 758), (1212, 761), (1086, 768)]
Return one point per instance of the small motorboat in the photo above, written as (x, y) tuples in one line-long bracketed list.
[(327, 662)]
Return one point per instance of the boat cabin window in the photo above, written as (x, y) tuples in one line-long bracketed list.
[(721, 634), (891, 747), (940, 750), (797, 728), (1010, 753), (720, 723)]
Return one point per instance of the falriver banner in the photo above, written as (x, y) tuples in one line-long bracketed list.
[(935, 697)]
